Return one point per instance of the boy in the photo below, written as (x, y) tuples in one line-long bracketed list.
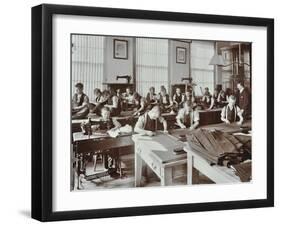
[(127, 99), (139, 104), (151, 96), (80, 102), (165, 100), (112, 102), (230, 112), (188, 115), (206, 99), (147, 123), (178, 98), (105, 124)]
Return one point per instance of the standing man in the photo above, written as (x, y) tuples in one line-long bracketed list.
[(244, 100), (147, 123), (80, 103)]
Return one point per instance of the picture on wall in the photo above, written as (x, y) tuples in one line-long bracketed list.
[(181, 55), (120, 49)]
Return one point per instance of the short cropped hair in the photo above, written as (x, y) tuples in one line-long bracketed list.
[(97, 91), (79, 85)]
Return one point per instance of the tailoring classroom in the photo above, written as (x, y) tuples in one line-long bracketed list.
[(159, 112)]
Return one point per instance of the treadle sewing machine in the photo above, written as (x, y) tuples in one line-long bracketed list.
[(85, 146)]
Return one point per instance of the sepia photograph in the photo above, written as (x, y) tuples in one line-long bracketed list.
[(150, 112)]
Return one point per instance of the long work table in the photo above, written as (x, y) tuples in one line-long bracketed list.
[(197, 163), (206, 117), (158, 152)]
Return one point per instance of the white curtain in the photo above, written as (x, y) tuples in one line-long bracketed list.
[(151, 64), (201, 72), (87, 62)]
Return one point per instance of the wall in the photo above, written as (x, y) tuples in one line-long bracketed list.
[(16, 71), (178, 70), (117, 66)]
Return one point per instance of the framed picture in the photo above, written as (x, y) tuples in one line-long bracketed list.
[(120, 49), (199, 145), (181, 55)]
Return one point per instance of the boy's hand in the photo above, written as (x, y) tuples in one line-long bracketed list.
[(150, 133), (239, 123), (183, 126)]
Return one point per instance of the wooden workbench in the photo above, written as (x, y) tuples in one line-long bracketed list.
[(206, 117), (98, 142), (157, 153), (197, 163)]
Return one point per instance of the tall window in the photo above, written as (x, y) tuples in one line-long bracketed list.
[(87, 62), (151, 64), (201, 72)]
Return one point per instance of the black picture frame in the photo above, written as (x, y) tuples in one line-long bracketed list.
[(42, 107), (117, 44), (180, 57)]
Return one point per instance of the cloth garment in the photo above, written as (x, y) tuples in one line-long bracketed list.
[(230, 114), (179, 98), (144, 122), (245, 102), (115, 111), (79, 100), (216, 146), (244, 171)]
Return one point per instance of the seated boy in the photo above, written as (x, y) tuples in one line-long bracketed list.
[(206, 99), (231, 112), (112, 102), (151, 96), (79, 102), (165, 101), (127, 99), (178, 98), (147, 123), (139, 104), (105, 124), (92, 111), (188, 115)]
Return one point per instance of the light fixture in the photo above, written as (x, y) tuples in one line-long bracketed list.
[(217, 60)]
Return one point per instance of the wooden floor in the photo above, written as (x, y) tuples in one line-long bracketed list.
[(128, 180)]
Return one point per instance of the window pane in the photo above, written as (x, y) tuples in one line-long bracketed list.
[(87, 62), (151, 64), (201, 72)]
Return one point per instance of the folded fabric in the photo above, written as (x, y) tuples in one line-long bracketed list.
[(216, 146)]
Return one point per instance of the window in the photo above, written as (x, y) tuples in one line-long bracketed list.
[(87, 62), (201, 72), (151, 64)]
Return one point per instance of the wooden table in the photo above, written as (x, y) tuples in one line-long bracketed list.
[(206, 117), (84, 144), (197, 163), (157, 152)]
